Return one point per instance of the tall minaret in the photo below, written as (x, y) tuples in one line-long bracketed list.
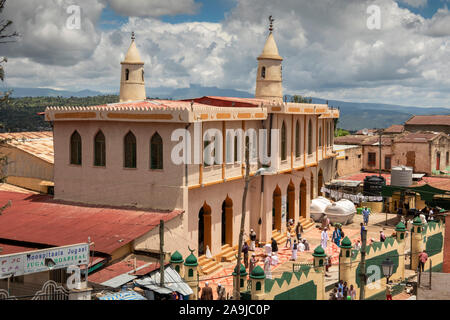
[(269, 80), (132, 84)]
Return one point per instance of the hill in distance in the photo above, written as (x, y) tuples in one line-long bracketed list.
[(354, 115)]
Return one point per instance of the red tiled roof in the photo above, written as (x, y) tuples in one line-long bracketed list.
[(41, 219), (360, 132), (441, 120), (119, 268), (395, 128), (385, 141)]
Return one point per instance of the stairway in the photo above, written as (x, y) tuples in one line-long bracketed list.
[(228, 254), (279, 237), (208, 266), (306, 224)]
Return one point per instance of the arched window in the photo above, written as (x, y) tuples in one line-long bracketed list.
[(263, 72), (310, 137), (320, 136), (99, 150), (130, 150), (207, 160), (75, 148), (283, 142), (127, 74), (297, 139), (156, 152)]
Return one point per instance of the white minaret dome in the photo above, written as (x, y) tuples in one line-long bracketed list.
[(132, 83), (269, 79)]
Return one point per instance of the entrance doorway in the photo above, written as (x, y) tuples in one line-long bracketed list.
[(320, 183), (302, 204), (290, 205), (204, 229), (276, 209), (227, 222)]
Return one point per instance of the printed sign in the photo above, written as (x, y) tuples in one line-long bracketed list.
[(43, 260)]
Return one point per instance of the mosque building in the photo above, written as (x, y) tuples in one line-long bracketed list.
[(121, 154)]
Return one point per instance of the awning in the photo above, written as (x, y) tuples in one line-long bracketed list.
[(426, 191), (172, 282), (123, 295)]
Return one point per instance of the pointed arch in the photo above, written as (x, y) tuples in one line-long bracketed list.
[(129, 147), (99, 149), (320, 136), (263, 72), (156, 152), (227, 221), (127, 74), (312, 187), (204, 228), (283, 142), (75, 148)]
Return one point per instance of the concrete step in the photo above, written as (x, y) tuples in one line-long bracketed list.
[(212, 268), (209, 264)]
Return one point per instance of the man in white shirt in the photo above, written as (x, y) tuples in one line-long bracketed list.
[(324, 238)]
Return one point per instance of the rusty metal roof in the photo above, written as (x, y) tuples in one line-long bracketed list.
[(42, 220), (38, 144), (395, 128), (437, 120)]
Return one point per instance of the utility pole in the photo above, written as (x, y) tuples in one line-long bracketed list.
[(380, 132), (161, 249), (362, 272), (236, 289)]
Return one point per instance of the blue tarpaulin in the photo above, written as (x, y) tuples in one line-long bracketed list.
[(123, 295)]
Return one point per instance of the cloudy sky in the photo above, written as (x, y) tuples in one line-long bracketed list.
[(332, 49)]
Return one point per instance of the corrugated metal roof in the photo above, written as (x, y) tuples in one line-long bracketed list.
[(172, 282), (119, 280), (38, 144), (41, 219), (123, 295)]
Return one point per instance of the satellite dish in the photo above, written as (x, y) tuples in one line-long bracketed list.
[(365, 131)]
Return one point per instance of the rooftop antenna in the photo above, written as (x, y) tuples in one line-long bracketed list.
[(271, 20)]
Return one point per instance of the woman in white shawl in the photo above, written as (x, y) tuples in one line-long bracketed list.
[(324, 238), (267, 263), (294, 251)]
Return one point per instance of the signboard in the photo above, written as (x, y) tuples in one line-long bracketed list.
[(43, 260)]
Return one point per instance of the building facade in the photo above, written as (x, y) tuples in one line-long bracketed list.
[(128, 154)]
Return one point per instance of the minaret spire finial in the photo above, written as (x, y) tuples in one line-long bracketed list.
[(271, 20), (133, 36)]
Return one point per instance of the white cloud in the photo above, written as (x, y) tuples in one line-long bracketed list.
[(153, 8), (327, 48), (415, 3)]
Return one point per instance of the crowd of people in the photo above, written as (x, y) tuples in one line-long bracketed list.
[(342, 291)]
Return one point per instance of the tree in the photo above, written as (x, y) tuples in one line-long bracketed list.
[(300, 99), (6, 36)]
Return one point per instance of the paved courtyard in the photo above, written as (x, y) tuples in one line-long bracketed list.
[(377, 222)]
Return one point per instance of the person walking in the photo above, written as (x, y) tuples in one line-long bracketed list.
[(324, 238), (267, 263), (298, 231), (363, 228), (288, 238), (252, 240), (253, 262), (345, 291), (306, 244), (274, 246), (221, 293), (325, 222), (294, 251), (388, 292), (301, 246), (207, 293), (366, 214), (245, 251), (423, 257), (336, 238), (352, 293), (382, 236)]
